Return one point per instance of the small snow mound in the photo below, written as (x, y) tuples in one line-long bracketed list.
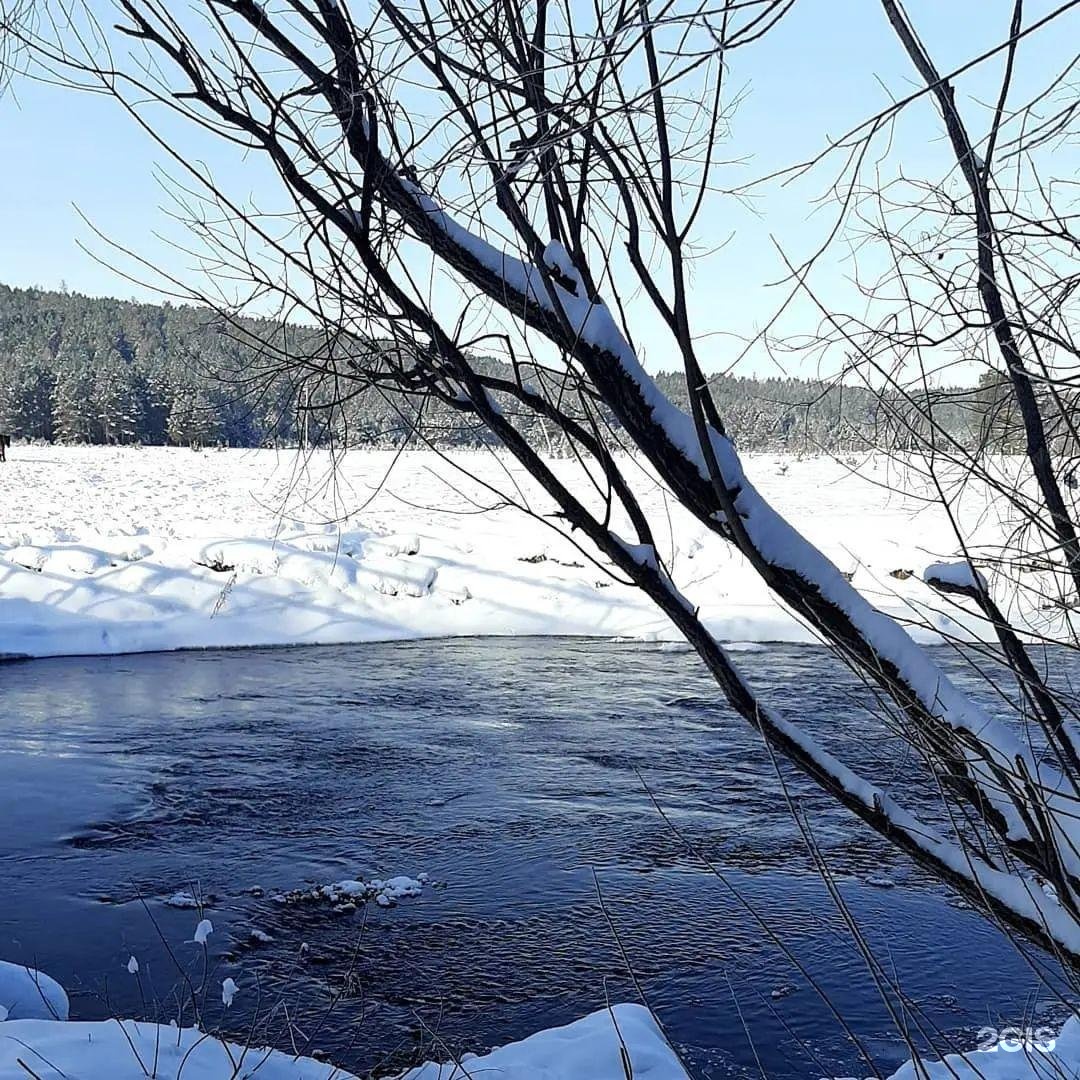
[(182, 900), (591, 1047), (203, 931), (25, 555), (228, 991), (59, 558), (396, 887), (397, 544), (133, 966), (26, 994)]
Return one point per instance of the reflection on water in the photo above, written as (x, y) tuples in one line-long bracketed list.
[(523, 774)]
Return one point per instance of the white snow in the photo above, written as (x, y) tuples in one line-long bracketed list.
[(588, 1049), (26, 994), (107, 550), (182, 900), (957, 574), (591, 1048), (127, 1050), (203, 931), (385, 892), (228, 991), (133, 966), (1009, 1059)]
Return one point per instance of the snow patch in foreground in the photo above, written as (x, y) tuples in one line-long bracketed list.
[(1059, 1058), (127, 1050), (606, 1045), (26, 994), (588, 1049)]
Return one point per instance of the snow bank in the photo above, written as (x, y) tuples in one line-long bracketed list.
[(110, 550), (37, 1039), (126, 1050), (1007, 1060), (26, 994), (588, 1049)]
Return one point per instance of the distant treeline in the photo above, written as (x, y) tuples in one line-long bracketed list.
[(85, 370)]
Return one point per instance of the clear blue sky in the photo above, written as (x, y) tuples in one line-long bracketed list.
[(829, 64)]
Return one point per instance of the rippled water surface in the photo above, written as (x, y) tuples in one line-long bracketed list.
[(568, 794)]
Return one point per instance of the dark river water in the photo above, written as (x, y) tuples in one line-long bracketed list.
[(565, 794)]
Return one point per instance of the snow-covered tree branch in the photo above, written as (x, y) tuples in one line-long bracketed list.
[(534, 174)]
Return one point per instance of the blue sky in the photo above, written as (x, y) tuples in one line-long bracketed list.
[(827, 66)]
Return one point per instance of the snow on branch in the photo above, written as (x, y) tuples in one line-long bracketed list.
[(1019, 786), (959, 577)]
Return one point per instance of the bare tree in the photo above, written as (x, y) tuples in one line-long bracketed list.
[(539, 170), (982, 279), (15, 15)]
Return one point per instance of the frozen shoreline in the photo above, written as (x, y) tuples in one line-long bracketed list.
[(591, 1048), (34, 1023), (108, 550)]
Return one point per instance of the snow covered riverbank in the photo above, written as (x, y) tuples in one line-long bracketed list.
[(109, 550), (592, 1048), (37, 1039)]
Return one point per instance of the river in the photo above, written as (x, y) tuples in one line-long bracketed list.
[(563, 796)]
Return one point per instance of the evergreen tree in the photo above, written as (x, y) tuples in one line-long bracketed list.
[(77, 369)]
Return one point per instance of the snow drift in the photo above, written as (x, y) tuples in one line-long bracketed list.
[(591, 1048)]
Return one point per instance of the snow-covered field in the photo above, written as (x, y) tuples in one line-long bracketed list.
[(106, 550)]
